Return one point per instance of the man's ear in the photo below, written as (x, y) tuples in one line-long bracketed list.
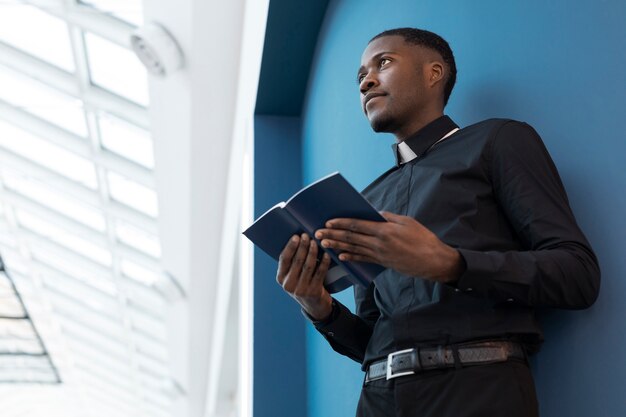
[(435, 73)]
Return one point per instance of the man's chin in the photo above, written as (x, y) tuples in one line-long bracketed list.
[(380, 124)]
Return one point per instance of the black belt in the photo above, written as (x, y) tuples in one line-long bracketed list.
[(412, 361)]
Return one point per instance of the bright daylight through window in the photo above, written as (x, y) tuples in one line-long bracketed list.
[(78, 216)]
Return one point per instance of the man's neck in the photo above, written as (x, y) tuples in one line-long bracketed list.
[(417, 124)]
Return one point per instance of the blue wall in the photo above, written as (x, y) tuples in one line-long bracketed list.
[(279, 328), (279, 348), (560, 66)]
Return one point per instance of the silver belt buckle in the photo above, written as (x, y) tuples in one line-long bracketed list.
[(390, 374)]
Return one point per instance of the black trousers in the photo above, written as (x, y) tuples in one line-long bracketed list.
[(502, 389)]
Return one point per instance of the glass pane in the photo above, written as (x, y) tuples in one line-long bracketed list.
[(128, 10), (152, 410), (143, 299), (87, 353), (117, 69), (7, 237), (122, 380), (154, 388), (44, 153), (148, 325), (153, 349), (126, 139), (39, 99), (30, 362), (26, 369), (14, 262), (41, 193), (8, 241), (79, 343), (18, 336), (50, 41), (10, 305), (138, 239), (102, 283), (62, 237), (137, 272), (81, 293), (88, 335), (105, 325), (119, 396), (132, 194), (27, 376)]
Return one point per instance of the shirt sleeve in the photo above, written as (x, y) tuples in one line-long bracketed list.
[(557, 267), (348, 333)]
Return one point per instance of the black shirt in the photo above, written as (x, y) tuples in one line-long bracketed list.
[(492, 191)]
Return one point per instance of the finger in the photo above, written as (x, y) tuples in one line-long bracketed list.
[(361, 226), (299, 257), (351, 257), (322, 269), (309, 264), (340, 246), (346, 236), (284, 260)]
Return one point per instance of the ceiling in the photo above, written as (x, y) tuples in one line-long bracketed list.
[(121, 203)]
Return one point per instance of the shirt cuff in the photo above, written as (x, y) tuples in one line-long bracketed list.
[(478, 267), (335, 324), (330, 319)]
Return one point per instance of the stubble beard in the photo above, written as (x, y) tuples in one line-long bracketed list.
[(381, 123), (385, 120)]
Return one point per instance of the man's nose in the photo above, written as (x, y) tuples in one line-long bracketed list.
[(367, 83)]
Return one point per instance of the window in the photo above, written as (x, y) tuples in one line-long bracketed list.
[(78, 211)]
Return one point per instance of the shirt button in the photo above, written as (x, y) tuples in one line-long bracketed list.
[(331, 334), (469, 290), (510, 300), (456, 290)]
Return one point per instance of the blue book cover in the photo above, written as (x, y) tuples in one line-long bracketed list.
[(308, 210)]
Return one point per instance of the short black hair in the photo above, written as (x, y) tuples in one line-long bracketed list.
[(432, 41)]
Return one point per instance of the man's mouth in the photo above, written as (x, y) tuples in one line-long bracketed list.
[(371, 96)]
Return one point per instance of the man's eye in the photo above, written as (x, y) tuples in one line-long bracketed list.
[(383, 62), (360, 78)]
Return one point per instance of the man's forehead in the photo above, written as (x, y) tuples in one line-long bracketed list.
[(389, 44)]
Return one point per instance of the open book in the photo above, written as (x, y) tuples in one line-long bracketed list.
[(308, 210)]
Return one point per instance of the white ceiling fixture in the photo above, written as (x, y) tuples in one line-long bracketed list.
[(157, 49)]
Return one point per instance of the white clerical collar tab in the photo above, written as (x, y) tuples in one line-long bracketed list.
[(406, 154)]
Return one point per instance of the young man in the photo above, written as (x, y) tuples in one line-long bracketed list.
[(479, 233)]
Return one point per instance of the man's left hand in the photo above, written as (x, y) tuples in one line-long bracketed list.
[(402, 244)]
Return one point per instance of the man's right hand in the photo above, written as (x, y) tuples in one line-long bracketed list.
[(302, 277)]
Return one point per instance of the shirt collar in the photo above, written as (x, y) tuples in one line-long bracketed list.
[(419, 142)]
